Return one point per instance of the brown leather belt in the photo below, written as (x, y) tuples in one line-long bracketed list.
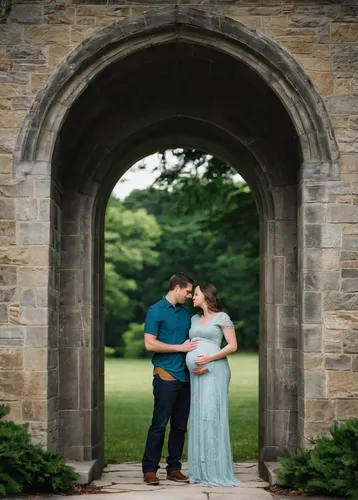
[(162, 373)]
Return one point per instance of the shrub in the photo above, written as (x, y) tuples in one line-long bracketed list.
[(331, 467), (25, 467)]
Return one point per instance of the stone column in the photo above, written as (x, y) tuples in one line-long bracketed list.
[(279, 327), (28, 355), (321, 293)]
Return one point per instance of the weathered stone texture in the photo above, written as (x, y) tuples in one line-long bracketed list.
[(50, 307)]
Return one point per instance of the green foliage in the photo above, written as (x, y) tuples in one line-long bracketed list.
[(26, 468), (331, 467), (130, 239), (133, 344), (195, 219)]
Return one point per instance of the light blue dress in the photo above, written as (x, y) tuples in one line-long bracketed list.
[(209, 451)]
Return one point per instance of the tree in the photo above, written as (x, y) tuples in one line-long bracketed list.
[(130, 241)]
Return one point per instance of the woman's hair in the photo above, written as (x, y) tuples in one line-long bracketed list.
[(211, 296)]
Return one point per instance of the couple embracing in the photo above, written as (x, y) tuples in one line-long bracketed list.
[(191, 375)]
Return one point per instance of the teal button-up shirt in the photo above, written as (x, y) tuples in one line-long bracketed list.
[(170, 324)]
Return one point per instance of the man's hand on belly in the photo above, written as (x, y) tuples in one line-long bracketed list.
[(200, 371)]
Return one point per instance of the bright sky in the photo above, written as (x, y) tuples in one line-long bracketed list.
[(136, 179), (143, 178)]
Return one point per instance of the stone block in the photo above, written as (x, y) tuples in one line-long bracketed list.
[(26, 209), (45, 35), (42, 188), (59, 14), (57, 53), (347, 409), (14, 255), (350, 343), (34, 410), (316, 194), (315, 384), (342, 384), (11, 359), (34, 316), (7, 228), (312, 338), (11, 387), (28, 297), (69, 377), (323, 82), (314, 430), (10, 332), (350, 285), (37, 336), (349, 273), (33, 233), (35, 358), (312, 361), (320, 410), (312, 307), (10, 34), (344, 32), (27, 53), (355, 363), (71, 322), (314, 212), (4, 313), (8, 275), (7, 209), (338, 362), (26, 14), (334, 301), (39, 255), (7, 293), (34, 384), (316, 259), (78, 427), (33, 276), (323, 235)]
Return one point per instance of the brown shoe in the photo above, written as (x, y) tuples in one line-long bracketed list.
[(176, 475), (151, 478)]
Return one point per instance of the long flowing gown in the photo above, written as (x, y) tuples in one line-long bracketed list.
[(209, 451)]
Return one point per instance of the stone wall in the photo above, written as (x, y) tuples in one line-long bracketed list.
[(36, 36)]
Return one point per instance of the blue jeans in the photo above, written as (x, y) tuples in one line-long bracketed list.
[(171, 400)]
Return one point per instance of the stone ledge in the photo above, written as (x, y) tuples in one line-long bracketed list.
[(270, 470), (85, 469)]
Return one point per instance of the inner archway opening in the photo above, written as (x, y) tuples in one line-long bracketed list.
[(177, 211)]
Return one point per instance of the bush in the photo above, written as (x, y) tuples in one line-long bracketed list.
[(331, 467), (133, 342), (25, 467)]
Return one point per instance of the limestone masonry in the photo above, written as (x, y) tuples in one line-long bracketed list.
[(89, 87)]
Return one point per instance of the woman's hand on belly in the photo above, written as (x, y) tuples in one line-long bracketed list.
[(203, 359)]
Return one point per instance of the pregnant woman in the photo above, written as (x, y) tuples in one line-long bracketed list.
[(209, 452)]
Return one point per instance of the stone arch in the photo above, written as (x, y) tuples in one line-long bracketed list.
[(62, 141)]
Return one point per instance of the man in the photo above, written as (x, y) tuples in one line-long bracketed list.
[(166, 334)]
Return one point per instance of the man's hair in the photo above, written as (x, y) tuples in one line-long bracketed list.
[(181, 279)]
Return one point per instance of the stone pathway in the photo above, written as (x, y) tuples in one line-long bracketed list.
[(127, 480)]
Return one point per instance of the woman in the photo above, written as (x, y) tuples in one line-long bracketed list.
[(209, 452)]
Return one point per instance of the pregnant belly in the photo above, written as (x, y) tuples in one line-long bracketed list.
[(204, 347)]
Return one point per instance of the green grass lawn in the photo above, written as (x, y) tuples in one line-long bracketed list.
[(129, 406)]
